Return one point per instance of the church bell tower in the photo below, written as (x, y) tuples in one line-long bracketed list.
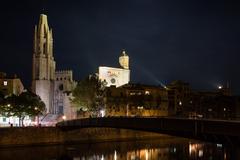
[(43, 69), (124, 60)]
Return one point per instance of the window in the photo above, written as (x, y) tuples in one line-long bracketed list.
[(60, 87), (4, 119), (60, 109), (147, 93), (5, 83)]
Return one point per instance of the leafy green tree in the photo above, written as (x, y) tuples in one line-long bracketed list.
[(26, 104), (1, 98), (88, 95)]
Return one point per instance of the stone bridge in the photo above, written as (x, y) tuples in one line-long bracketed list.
[(224, 131)]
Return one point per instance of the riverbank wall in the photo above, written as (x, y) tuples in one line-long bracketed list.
[(29, 136)]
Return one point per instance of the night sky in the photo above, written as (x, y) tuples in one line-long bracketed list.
[(194, 41)]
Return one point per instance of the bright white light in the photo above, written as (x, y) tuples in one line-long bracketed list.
[(147, 93), (102, 112), (9, 105), (219, 145), (140, 107), (64, 117), (146, 152), (190, 149), (220, 87), (200, 153), (180, 103), (115, 155), (84, 109), (5, 83)]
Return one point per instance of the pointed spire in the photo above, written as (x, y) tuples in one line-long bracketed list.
[(43, 60), (43, 22)]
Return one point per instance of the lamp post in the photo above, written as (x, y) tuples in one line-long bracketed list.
[(36, 109), (64, 117)]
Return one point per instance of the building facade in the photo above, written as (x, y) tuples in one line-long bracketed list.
[(218, 103), (116, 76), (10, 85), (136, 100), (52, 86), (63, 86), (179, 96)]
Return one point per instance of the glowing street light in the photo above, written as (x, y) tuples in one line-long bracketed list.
[(180, 103), (102, 113), (64, 117)]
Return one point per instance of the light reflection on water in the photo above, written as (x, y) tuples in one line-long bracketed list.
[(164, 149)]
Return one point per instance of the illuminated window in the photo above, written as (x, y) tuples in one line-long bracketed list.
[(5, 83), (147, 93), (132, 93)]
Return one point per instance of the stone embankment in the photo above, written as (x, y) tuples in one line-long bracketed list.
[(52, 135)]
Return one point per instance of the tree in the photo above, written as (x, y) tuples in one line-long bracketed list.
[(26, 104), (88, 95), (1, 99)]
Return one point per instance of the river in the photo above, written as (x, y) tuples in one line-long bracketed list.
[(151, 149)]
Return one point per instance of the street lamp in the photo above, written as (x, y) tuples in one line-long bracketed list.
[(36, 109), (64, 117), (102, 113)]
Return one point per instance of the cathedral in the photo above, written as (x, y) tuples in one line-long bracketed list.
[(52, 86), (116, 76)]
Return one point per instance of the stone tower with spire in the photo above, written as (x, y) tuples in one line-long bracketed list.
[(54, 87), (124, 60), (43, 69)]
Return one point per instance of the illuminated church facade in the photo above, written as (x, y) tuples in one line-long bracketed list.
[(52, 86), (116, 76)]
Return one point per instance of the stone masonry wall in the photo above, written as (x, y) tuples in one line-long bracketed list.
[(52, 135)]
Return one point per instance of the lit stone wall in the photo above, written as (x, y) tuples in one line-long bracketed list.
[(69, 111), (114, 76), (44, 89), (43, 63), (124, 60), (11, 86), (63, 86), (136, 100)]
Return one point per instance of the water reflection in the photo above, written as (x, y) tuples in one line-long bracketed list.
[(164, 149)]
